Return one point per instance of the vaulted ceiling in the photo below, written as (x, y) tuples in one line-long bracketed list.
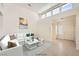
[(37, 7)]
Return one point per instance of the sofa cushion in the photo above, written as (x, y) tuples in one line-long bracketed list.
[(4, 42), (19, 35)]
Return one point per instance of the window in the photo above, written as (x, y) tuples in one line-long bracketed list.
[(66, 7), (56, 11), (43, 16), (48, 14)]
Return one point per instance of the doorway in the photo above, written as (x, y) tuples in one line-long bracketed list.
[(63, 32), (65, 28)]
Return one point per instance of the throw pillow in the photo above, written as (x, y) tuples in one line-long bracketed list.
[(11, 44)]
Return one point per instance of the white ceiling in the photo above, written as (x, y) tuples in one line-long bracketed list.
[(37, 7)]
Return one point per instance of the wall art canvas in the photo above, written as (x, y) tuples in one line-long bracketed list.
[(23, 23)]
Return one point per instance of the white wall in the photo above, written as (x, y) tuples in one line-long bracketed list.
[(77, 31), (43, 29), (1, 25), (45, 25), (11, 14), (1, 21)]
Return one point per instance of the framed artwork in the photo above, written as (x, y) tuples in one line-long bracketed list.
[(23, 23)]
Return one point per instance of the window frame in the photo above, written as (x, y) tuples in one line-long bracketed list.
[(49, 12), (54, 10), (65, 7)]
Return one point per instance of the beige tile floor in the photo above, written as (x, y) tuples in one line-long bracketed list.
[(62, 48)]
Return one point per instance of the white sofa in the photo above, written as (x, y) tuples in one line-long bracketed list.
[(13, 51)]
